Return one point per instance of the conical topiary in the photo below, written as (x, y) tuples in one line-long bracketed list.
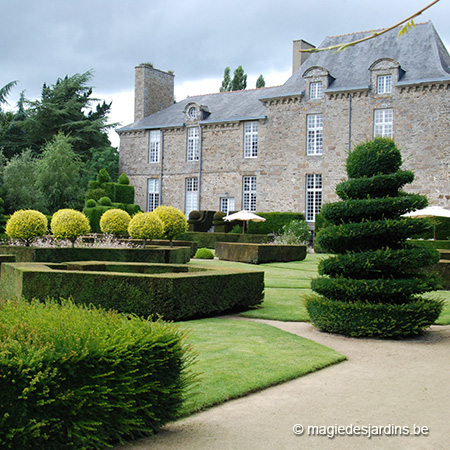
[(374, 286)]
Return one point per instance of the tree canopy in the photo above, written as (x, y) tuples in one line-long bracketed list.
[(238, 83)]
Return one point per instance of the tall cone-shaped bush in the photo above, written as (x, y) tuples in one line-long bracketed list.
[(374, 286)]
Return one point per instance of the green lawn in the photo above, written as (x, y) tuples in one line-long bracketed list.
[(288, 283), (236, 357)]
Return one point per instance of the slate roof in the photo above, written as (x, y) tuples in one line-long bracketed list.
[(420, 53)]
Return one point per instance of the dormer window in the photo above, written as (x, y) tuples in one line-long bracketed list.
[(384, 84), (315, 90)]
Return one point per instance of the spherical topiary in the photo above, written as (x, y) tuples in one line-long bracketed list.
[(377, 157), (91, 203), (115, 221), (204, 253), (123, 179), (26, 224), (146, 226), (69, 224), (219, 215), (105, 201), (174, 221)]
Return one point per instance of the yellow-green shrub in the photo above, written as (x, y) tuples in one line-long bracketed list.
[(174, 221), (69, 224), (26, 224), (115, 221), (146, 226)]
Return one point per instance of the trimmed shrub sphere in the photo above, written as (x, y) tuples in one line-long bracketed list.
[(69, 224), (105, 201), (26, 224), (91, 203), (115, 221), (146, 226), (174, 221), (204, 253)]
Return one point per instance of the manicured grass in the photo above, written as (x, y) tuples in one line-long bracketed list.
[(288, 283), (236, 357)]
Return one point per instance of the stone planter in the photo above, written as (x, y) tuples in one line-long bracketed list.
[(259, 253)]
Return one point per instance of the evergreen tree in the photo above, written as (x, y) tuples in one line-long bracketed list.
[(260, 82), (239, 81), (57, 176), (226, 82), (374, 286)]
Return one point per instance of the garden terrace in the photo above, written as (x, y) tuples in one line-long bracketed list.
[(173, 291)]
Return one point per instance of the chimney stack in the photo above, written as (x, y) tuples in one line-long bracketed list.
[(299, 58), (153, 90)]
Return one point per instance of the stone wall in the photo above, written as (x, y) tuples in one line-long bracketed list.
[(421, 123)]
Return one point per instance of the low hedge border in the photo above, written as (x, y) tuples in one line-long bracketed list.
[(362, 319), (76, 378), (184, 293), (208, 240), (162, 254)]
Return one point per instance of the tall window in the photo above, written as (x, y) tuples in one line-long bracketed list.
[(315, 134), (383, 123), (193, 144), (227, 204), (152, 194), (249, 193), (155, 146), (384, 84), (315, 90), (191, 195), (251, 139), (313, 196)]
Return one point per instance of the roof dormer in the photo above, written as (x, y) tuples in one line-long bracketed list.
[(317, 80), (194, 112), (384, 73)]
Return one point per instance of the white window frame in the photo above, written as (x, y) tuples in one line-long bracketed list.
[(154, 146), (249, 193), (315, 90), (153, 197), (250, 139), (383, 123), (384, 84), (193, 140), (227, 204), (314, 124), (313, 196), (191, 200)]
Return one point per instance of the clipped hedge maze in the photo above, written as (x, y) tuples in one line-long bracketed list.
[(175, 292)]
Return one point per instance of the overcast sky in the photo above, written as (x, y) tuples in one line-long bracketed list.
[(42, 40)]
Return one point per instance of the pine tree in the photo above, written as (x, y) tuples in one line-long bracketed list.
[(374, 286)]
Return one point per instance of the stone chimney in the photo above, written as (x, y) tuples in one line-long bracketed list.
[(299, 58), (153, 90)]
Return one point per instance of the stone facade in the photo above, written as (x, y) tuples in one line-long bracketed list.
[(420, 112)]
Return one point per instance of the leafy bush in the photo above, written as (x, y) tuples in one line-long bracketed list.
[(237, 229), (26, 224), (274, 222), (174, 221), (76, 377), (69, 224), (296, 232), (115, 222), (364, 319), (91, 203), (105, 201), (204, 253), (146, 226), (375, 265)]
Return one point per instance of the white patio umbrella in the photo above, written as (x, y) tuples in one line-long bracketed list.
[(244, 216), (429, 211)]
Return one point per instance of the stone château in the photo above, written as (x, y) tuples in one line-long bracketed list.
[(283, 148)]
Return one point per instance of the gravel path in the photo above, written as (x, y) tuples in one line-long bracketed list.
[(383, 385)]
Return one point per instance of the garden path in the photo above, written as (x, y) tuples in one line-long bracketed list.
[(384, 383)]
